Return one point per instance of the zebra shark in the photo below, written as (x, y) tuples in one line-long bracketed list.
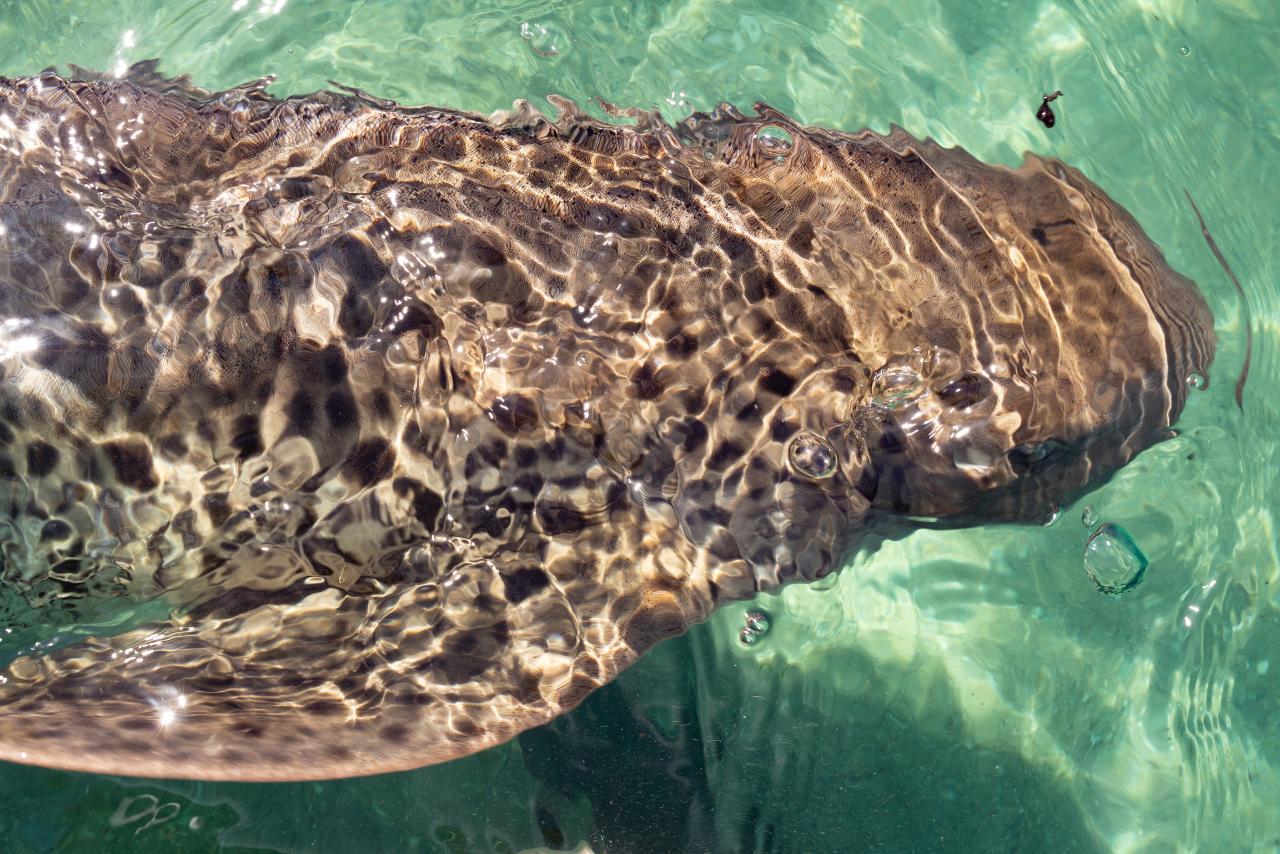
[(410, 427)]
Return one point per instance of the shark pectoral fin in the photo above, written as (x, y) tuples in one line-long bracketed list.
[(264, 696), (339, 685)]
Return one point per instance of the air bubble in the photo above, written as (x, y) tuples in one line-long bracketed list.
[(1197, 381), (896, 386), (774, 141), (812, 456), (1054, 515), (545, 40), (1113, 560), (1184, 50), (1090, 516), (756, 625), (240, 114)]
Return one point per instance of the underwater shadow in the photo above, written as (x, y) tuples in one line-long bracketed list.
[(691, 752)]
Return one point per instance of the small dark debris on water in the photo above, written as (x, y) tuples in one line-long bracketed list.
[(1045, 113)]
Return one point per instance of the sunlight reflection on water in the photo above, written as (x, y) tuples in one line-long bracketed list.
[(942, 672)]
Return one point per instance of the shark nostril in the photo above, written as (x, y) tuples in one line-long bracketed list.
[(810, 455)]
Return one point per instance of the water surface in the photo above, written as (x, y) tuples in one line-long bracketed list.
[(968, 690)]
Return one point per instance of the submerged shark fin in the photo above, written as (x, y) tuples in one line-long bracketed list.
[(337, 685)]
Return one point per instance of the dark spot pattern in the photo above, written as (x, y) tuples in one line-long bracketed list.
[(131, 463), (426, 425), (41, 459)]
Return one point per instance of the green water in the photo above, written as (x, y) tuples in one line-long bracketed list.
[(956, 691)]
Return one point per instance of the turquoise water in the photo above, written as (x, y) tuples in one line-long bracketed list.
[(966, 690)]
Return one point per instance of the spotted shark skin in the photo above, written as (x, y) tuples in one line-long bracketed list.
[(422, 425)]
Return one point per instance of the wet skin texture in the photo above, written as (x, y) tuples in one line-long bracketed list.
[(425, 425)]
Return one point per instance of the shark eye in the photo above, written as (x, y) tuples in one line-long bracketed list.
[(810, 455)]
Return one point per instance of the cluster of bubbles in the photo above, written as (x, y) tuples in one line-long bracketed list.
[(756, 625), (1112, 559)]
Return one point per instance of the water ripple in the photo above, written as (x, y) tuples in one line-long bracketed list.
[(953, 680)]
